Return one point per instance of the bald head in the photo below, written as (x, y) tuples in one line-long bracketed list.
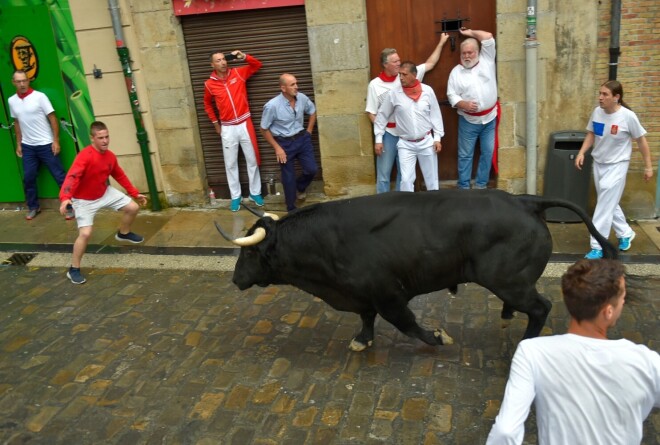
[(289, 85)]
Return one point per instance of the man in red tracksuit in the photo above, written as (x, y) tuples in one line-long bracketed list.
[(86, 188), (226, 89)]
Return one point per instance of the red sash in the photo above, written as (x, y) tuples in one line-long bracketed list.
[(253, 138)]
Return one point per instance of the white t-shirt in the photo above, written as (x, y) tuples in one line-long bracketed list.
[(415, 119), (586, 391), (614, 134), (378, 88), (32, 114), (478, 83)]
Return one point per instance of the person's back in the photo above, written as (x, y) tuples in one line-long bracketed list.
[(587, 389), (582, 386)]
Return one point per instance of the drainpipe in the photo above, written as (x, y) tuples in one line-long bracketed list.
[(142, 138), (615, 29), (531, 45)]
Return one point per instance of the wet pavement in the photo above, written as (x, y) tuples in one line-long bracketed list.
[(159, 347)]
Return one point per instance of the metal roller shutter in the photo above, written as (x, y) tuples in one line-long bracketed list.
[(277, 37)]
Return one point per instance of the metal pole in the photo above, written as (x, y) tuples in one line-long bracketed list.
[(615, 30), (142, 137), (531, 45)]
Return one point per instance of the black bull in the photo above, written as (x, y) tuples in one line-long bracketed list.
[(371, 255)]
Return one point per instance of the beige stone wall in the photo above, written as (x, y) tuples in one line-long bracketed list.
[(340, 67), (109, 97), (566, 34), (162, 81)]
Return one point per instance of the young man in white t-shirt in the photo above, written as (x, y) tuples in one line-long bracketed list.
[(586, 388), (37, 139)]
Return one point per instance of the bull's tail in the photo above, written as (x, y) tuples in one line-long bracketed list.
[(538, 204)]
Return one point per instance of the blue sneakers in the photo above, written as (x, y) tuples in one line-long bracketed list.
[(595, 254), (257, 199), (75, 276), (625, 243), (235, 205)]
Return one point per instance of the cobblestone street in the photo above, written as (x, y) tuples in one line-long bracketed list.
[(183, 357)]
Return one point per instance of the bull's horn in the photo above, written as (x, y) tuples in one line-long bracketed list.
[(257, 237), (222, 232), (261, 213)]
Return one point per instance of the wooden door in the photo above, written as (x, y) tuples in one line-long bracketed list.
[(413, 27)]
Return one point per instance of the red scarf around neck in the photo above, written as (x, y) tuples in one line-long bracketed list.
[(414, 91), (385, 78), (26, 94)]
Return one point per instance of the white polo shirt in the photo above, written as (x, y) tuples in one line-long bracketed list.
[(32, 113)]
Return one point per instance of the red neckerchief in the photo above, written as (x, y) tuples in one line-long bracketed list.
[(385, 78), (415, 91), (26, 94)]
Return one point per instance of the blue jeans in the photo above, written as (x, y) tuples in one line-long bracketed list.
[(467, 140), (302, 150), (33, 157), (385, 162)]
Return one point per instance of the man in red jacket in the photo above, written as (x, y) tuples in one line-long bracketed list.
[(86, 188), (226, 89)]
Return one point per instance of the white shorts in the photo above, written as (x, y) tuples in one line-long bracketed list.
[(86, 210)]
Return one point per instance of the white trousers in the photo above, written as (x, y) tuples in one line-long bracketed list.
[(610, 180), (232, 137), (428, 163)]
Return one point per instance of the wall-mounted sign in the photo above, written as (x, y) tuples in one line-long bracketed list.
[(189, 7), (24, 56)]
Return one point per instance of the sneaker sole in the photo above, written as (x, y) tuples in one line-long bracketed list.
[(256, 203), (632, 237), (68, 275), (128, 240)]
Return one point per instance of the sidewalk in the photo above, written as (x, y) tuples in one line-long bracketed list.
[(191, 232)]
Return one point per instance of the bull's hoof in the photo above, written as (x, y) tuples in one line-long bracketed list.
[(358, 346), (443, 338)]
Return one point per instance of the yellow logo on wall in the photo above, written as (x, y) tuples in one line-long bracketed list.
[(24, 56)]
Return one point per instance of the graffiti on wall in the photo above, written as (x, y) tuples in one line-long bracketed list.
[(24, 56)]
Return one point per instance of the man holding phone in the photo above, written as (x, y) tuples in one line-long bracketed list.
[(226, 89)]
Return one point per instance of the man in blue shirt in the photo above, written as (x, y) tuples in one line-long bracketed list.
[(282, 126)]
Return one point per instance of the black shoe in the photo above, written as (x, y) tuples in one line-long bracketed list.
[(130, 237)]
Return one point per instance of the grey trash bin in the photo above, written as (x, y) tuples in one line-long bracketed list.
[(562, 179)]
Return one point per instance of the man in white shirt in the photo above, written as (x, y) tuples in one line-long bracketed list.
[(586, 389), (379, 86), (472, 90), (414, 108), (37, 139)]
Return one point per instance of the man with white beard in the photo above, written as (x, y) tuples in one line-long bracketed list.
[(472, 90)]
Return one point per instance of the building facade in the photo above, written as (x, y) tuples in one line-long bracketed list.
[(573, 56)]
